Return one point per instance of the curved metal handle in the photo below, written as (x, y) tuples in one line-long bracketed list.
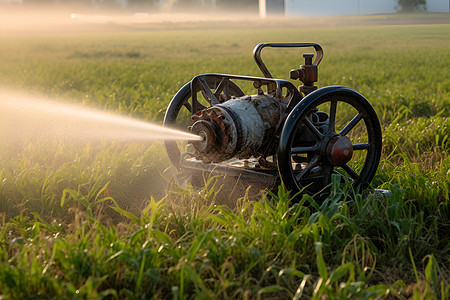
[(262, 66)]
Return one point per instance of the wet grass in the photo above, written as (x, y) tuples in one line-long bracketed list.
[(105, 220)]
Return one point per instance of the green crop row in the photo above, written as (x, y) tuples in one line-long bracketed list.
[(191, 246)]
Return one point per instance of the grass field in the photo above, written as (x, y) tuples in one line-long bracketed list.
[(105, 219)]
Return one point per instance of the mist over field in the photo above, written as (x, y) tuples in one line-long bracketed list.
[(72, 16)]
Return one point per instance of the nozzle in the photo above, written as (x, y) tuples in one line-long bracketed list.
[(207, 132)]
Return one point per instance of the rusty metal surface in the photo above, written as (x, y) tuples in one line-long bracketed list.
[(221, 142), (243, 169), (307, 73), (240, 127)]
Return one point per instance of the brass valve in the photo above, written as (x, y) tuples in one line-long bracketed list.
[(307, 73)]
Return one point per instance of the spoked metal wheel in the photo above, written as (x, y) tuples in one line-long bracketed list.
[(333, 130), (179, 111)]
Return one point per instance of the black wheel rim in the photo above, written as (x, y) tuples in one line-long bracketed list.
[(307, 168)]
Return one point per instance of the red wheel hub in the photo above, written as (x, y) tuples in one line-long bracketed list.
[(339, 150)]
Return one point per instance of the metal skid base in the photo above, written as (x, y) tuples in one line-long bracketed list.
[(235, 177), (239, 177), (245, 170)]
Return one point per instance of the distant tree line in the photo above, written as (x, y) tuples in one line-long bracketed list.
[(411, 5)]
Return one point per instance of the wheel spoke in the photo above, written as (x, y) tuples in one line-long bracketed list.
[(222, 85), (313, 129), (332, 118), (361, 146), (207, 93), (299, 150), (308, 167), (188, 106), (350, 172), (196, 106), (327, 170), (352, 124)]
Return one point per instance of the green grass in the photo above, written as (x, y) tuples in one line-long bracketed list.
[(106, 220)]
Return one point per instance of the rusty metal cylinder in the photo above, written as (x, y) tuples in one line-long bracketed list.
[(239, 127)]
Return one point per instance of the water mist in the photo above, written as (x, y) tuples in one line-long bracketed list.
[(24, 117)]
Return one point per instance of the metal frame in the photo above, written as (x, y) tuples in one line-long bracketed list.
[(260, 170)]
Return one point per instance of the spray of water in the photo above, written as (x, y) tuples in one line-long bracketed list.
[(24, 117)]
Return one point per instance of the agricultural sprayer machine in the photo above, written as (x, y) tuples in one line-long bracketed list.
[(281, 133)]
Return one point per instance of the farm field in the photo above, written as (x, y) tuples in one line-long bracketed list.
[(105, 219)]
